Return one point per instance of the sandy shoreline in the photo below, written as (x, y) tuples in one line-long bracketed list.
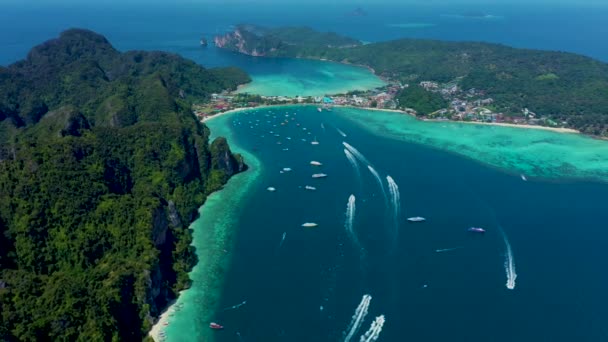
[(162, 322), (503, 124)]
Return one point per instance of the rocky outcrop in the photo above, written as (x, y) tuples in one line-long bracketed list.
[(242, 41), (223, 160), (280, 42)]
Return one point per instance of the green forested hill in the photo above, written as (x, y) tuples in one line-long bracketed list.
[(563, 86), (102, 167)]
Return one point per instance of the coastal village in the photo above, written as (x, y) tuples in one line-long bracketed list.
[(471, 105)]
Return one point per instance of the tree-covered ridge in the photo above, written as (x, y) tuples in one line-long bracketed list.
[(102, 167), (563, 86), (422, 101)]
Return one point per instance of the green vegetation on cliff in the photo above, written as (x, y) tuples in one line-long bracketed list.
[(563, 86), (102, 167)]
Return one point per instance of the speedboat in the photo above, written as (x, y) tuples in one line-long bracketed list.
[(271, 189), (286, 169), (476, 230), (319, 175), (319, 109), (315, 163), (308, 187), (309, 225), (315, 142), (416, 219), (216, 326), (523, 177)]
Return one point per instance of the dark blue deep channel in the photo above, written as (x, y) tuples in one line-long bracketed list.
[(308, 287)]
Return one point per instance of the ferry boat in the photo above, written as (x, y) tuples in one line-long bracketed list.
[(319, 175), (476, 230), (416, 219), (215, 326)]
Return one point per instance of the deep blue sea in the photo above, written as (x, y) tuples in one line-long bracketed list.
[(307, 287), (579, 28)]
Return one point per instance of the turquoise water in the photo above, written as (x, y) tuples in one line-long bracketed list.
[(294, 77), (214, 234), (306, 287), (533, 152)]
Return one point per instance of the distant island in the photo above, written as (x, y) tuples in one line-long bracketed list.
[(103, 167), (262, 41), (468, 81)]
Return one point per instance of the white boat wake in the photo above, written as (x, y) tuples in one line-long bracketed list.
[(374, 330), (443, 250), (356, 153), (282, 240), (350, 218), (393, 190), (353, 163), (235, 306), (509, 262), (377, 177), (341, 132), (358, 318)]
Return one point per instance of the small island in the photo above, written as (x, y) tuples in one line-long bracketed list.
[(466, 81)]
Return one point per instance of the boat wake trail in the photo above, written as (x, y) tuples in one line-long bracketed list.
[(374, 331), (509, 261), (393, 190), (358, 318), (341, 132), (377, 177), (448, 249), (356, 153), (353, 163), (350, 217), (359, 156), (235, 306), (282, 240)]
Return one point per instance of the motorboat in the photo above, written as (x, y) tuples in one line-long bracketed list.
[(476, 230), (215, 326), (416, 219)]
